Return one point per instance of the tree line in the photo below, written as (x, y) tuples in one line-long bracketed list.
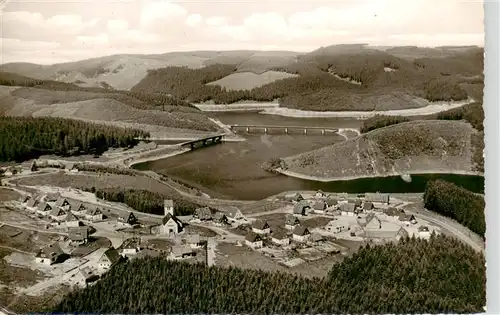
[(441, 275), (457, 203), (145, 200), (380, 121), (24, 138)]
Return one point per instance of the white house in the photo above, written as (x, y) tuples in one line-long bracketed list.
[(58, 214), (301, 234), (279, 237), (407, 219), (85, 276), (319, 206), (253, 240), (423, 232), (32, 203), (78, 208), (384, 230), (195, 241), (108, 259), (130, 247), (44, 208), (49, 254), (63, 204), (71, 220), (95, 214), (319, 194), (291, 222), (234, 214), (336, 226), (261, 227)]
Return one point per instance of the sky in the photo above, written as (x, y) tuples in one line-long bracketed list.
[(53, 31)]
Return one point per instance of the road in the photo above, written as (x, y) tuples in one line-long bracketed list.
[(22, 227)]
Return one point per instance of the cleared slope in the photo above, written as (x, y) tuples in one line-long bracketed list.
[(416, 146), (250, 80)]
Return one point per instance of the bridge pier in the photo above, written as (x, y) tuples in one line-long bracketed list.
[(248, 130), (192, 146), (323, 132), (265, 130), (286, 130), (305, 131)]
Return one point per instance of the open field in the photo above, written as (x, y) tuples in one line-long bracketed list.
[(417, 146), (8, 194), (250, 80)]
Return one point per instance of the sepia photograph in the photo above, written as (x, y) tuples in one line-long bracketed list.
[(244, 157)]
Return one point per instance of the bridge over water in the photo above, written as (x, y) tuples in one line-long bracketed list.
[(203, 142), (285, 129)]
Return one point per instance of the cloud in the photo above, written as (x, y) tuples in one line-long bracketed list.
[(117, 25), (161, 12), (193, 20), (217, 21)]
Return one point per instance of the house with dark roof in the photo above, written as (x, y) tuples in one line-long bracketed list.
[(301, 234), (109, 259), (291, 221), (44, 208), (377, 198), (407, 219), (253, 240), (424, 232), (63, 204), (316, 237), (50, 254), (279, 237), (393, 212), (261, 227), (331, 200), (363, 221), (234, 213), (57, 214), (86, 276), (78, 208), (319, 194), (319, 206), (301, 208), (368, 206), (294, 197), (203, 214), (171, 225), (129, 219), (71, 220), (95, 214), (130, 247), (220, 218), (78, 235), (347, 209), (32, 204)]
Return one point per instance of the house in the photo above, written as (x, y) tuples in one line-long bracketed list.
[(57, 214), (392, 212), (331, 201), (130, 219), (44, 208), (294, 197), (168, 206), (342, 196), (407, 219), (363, 221), (384, 230), (49, 254), (316, 237), (423, 232), (319, 194), (78, 235), (336, 227), (195, 241), (301, 207), (78, 207), (358, 203), (71, 220), (220, 218), (319, 206), (74, 168), (179, 252), (261, 227), (108, 259), (130, 247), (291, 221), (25, 199), (234, 214), (32, 203), (377, 198), (86, 276), (347, 209), (368, 206), (204, 214), (63, 204), (301, 234), (171, 225), (95, 214), (279, 237), (253, 240)]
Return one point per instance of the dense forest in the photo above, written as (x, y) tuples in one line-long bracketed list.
[(457, 203), (145, 200), (24, 138), (380, 121), (414, 276)]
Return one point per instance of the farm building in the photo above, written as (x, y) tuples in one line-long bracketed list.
[(57, 214), (291, 221), (86, 276), (220, 218), (130, 246), (294, 197), (319, 206), (95, 214), (336, 227), (407, 219), (44, 208), (348, 209), (367, 206), (71, 220), (129, 219), (49, 254), (279, 237), (78, 235), (168, 206), (204, 214), (234, 213), (261, 227), (63, 204), (301, 234), (109, 259), (377, 198), (301, 207), (424, 232), (254, 240), (171, 225), (179, 252), (384, 230)]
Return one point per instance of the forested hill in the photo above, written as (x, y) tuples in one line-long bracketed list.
[(24, 138), (415, 276)]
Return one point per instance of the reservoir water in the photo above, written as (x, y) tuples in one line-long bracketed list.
[(233, 169)]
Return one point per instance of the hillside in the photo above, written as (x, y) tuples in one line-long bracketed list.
[(410, 147), (414, 276)]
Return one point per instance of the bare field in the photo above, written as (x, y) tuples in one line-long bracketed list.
[(17, 276), (24, 240), (202, 231), (8, 194), (250, 80), (242, 257)]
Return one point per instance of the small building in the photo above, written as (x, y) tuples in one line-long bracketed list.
[(316, 237), (377, 198), (294, 197), (348, 209), (49, 254), (291, 222), (319, 206), (279, 237), (261, 227), (301, 208), (393, 212), (331, 201), (220, 218), (301, 234), (78, 207), (384, 230), (130, 247), (109, 259), (57, 214), (95, 214), (86, 276), (253, 240), (25, 199), (32, 203), (171, 225), (204, 214), (195, 241), (71, 220), (168, 206), (336, 226), (44, 208), (363, 221), (179, 252), (234, 214), (424, 232), (407, 219), (63, 204), (319, 194), (78, 235), (342, 196), (358, 203), (368, 206)]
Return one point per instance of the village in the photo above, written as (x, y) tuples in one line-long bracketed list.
[(90, 239)]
